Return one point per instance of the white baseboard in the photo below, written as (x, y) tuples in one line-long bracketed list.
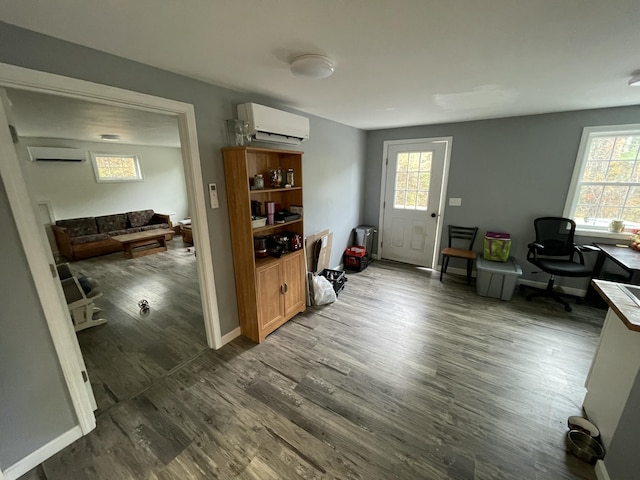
[(233, 334), (30, 462), (601, 471)]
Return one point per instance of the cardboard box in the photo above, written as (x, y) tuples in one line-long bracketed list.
[(324, 241)]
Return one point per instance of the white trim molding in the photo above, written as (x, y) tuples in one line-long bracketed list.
[(41, 264), (22, 78), (32, 234), (29, 462), (448, 141), (589, 133), (601, 471), (232, 335)]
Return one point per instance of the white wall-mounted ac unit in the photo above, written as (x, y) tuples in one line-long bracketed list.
[(56, 154), (270, 125)]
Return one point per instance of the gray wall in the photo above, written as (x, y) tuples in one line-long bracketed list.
[(334, 156), (507, 171), (33, 403), (35, 407), (622, 460)]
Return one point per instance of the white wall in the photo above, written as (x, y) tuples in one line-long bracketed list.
[(72, 190)]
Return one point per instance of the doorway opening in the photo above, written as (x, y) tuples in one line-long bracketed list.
[(135, 347), (34, 242)]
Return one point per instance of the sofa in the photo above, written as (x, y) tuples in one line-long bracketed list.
[(79, 238)]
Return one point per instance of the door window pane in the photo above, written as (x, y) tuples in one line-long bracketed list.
[(413, 175)]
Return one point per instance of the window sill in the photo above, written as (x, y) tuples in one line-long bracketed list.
[(623, 237)]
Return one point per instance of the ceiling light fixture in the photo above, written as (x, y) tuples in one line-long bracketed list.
[(312, 66), (110, 137)]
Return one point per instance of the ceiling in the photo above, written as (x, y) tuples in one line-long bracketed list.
[(43, 115), (398, 63)]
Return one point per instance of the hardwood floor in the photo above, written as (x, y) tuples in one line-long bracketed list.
[(403, 377), (133, 349)]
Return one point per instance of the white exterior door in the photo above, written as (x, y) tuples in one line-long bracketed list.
[(412, 198)]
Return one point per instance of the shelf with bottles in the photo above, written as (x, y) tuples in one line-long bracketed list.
[(269, 173)]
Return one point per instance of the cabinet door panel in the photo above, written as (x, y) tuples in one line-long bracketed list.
[(270, 298), (294, 279)]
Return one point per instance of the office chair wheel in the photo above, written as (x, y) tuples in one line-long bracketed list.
[(567, 308)]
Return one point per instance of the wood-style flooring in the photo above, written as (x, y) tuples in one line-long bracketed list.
[(134, 349), (404, 377)]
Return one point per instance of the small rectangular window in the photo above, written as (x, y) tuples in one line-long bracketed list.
[(109, 167)]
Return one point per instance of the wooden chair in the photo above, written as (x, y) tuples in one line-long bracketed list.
[(80, 303), (463, 238)]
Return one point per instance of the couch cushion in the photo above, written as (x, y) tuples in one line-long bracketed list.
[(79, 226), (89, 238), (109, 223), (156, 226), (140, 217), (114, 233)]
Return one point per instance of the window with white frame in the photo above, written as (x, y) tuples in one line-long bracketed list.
[(606, 179), (109, 167)]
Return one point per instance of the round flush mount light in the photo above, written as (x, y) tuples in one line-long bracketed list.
[(635, 79), (110, 137), (312, 66)]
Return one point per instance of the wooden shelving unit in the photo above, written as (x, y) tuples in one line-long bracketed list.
[(270, 290)]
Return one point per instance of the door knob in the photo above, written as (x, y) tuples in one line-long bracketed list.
[(433, 215)]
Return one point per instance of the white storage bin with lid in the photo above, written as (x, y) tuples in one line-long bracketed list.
[(497, 279)]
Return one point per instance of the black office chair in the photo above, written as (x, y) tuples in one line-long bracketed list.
[(554, 252), (463, 237)]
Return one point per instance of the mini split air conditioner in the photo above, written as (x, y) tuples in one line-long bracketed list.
[(269, 125), (56, 154)]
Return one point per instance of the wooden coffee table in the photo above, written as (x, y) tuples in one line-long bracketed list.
[(140, 244)]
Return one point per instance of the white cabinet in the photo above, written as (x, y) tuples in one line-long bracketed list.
[(613, 372)]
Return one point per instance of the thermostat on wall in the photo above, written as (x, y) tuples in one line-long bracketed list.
[(213, 195)]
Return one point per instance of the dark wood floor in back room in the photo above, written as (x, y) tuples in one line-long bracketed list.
[(403, 377), (134, 348)]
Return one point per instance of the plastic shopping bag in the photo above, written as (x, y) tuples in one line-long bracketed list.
[(323, 292)]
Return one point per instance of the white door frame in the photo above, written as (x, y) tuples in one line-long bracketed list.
[(443, 192), (40, 258)]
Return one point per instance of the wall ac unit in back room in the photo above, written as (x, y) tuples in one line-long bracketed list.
[(56, 154)]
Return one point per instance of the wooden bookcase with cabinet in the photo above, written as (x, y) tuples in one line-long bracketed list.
[(270, 290)]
